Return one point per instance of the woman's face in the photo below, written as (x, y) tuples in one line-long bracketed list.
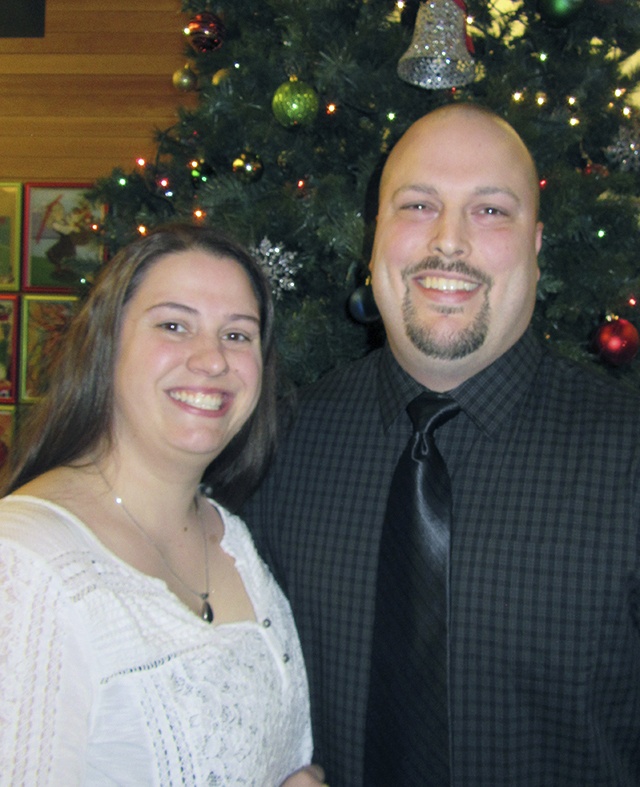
[(189, 364)]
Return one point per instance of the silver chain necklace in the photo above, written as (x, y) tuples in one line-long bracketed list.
[(206, 612)]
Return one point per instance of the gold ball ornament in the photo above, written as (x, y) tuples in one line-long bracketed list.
[(220, 76), (295, 103), (247, 167), (185, 79)]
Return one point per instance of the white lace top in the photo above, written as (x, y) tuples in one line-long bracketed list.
[(107, 678)]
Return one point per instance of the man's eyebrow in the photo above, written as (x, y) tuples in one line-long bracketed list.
[(424, 188), (490, 190)]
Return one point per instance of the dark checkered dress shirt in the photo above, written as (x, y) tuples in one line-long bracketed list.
[(544, 634)]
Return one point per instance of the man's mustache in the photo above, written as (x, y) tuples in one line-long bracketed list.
[(441, 265)]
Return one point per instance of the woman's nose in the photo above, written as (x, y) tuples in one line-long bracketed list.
[(208, 358)]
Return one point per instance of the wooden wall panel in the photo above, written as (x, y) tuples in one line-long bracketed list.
[(90, 95)]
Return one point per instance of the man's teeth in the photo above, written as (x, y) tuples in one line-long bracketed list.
[(446, 285), (201, 400)]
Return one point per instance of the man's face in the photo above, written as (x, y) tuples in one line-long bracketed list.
[(454, 264)]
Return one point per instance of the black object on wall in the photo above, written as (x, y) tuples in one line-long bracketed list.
[(22, 18)]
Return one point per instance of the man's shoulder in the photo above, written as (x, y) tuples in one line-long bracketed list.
[(583, 388), (340, 398), (350, 383), (598, 382)]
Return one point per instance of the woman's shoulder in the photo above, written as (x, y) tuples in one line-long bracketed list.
[(38, 524), (235, 531), (237, 541)]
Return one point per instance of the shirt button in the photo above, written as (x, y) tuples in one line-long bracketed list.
[(286, 658), (266, 623)]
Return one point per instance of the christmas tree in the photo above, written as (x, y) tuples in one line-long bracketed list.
[(299, 102)]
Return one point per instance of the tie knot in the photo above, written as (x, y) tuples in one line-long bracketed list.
[(430, 410)]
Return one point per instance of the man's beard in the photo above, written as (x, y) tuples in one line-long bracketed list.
[(432, 343)]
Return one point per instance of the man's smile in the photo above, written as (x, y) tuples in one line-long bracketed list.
[(444, 284)]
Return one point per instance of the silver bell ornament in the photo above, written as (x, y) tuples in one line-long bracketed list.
[(440, 52)]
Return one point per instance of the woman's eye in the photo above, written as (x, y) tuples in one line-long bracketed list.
[(237, 336), (172, 327)]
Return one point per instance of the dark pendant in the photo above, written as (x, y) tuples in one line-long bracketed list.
[(207, 612)]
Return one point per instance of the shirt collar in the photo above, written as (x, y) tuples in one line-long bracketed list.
[(488, 398)]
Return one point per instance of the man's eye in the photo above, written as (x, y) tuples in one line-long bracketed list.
[(419, 207)]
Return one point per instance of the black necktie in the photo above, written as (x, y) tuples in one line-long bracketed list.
[(407, 719)]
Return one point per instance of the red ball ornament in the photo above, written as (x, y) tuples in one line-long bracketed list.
[(617, 342), (206, 32)]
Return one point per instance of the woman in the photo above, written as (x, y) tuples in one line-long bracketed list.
[(142, 641)]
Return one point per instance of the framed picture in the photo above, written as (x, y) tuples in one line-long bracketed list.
[(7, 435), (61, 246), (8, 347), (44, 319), (10, 236)]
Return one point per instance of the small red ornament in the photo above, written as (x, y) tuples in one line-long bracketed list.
[(617, 341), (599, 170), (206, 32)]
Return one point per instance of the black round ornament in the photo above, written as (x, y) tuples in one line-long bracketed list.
[(362, 306)]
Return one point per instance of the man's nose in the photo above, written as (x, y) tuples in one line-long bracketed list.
[(449, 235)]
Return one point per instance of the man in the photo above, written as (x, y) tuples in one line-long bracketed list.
[(544, 589)]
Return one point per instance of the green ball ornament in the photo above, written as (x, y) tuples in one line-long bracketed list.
[(558, 12), (295, 104)]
